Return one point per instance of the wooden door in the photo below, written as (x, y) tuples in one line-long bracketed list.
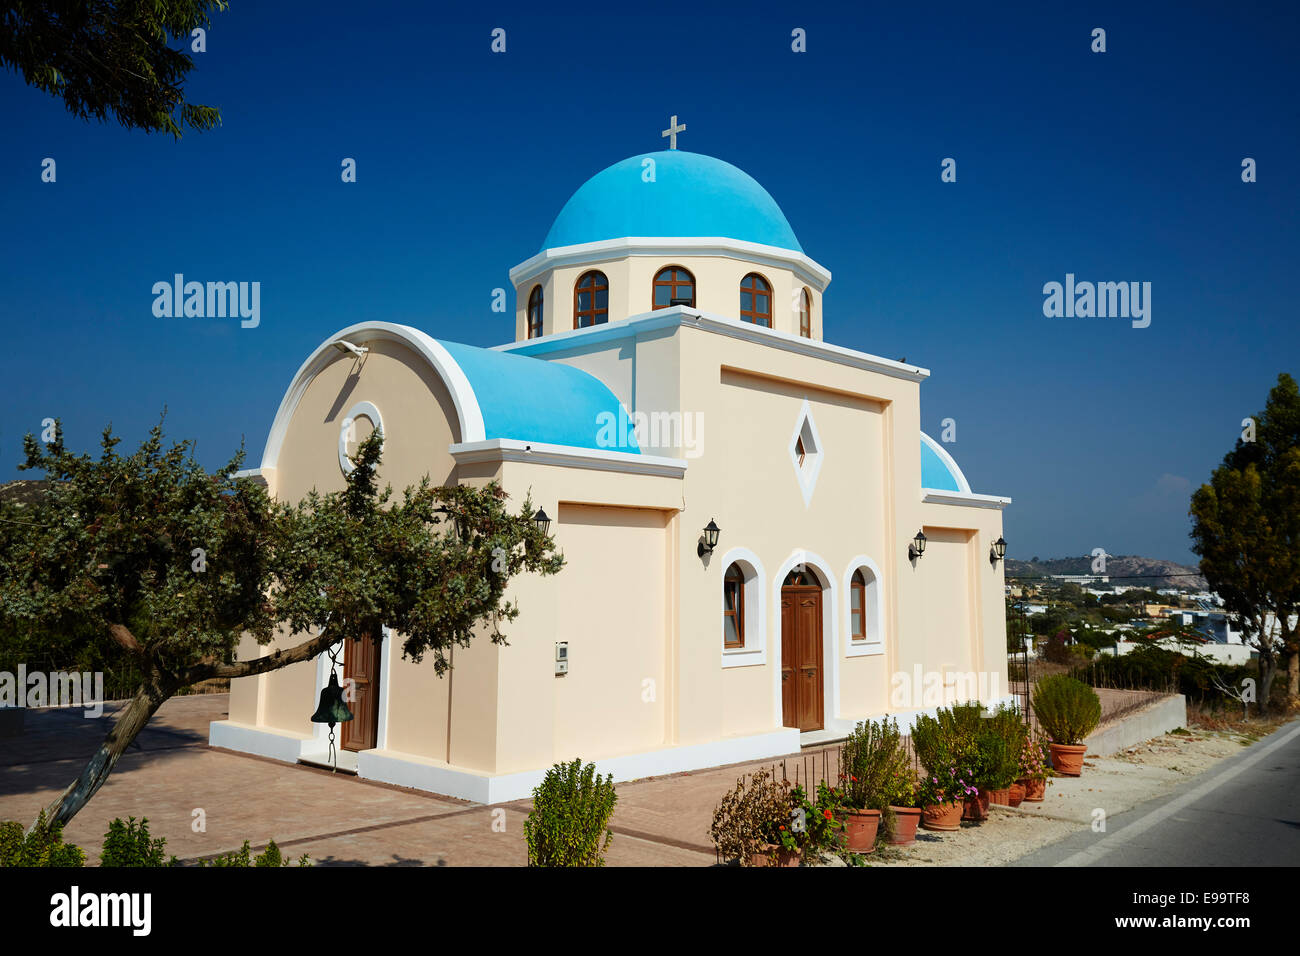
[(802, 680), (361, 665)]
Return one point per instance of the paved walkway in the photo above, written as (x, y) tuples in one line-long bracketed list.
[(170, 773)]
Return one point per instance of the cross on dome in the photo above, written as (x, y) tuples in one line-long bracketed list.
[(672, 131)]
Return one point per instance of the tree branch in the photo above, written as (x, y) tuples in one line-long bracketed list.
[(302, 652)]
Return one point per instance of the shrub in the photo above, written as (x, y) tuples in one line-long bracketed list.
[(271, 856), (753, 817), (44, 846), (1067, 709), (568, 825), (946, 744), (869, 762), (1000, 742), (129, 844)]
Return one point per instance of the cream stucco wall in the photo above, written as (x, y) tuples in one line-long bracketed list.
[(631, 289)]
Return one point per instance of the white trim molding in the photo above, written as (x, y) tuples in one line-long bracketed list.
[(468, 414), (873, 613), (935, 496), (681, 315), (566, 456), (809, 271), (347, 433), (754, 652), (830, 632), (806, 474)]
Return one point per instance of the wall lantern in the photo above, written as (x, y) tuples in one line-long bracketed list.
[(917, 547), (331, 709), (711, 532), (998, 551), (542, 521)]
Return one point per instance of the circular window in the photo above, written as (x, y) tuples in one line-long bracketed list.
[(357, 425)]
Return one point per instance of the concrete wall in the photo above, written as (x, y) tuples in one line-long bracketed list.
[(1160, 717)]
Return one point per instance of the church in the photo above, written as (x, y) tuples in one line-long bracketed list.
[(759, 538)]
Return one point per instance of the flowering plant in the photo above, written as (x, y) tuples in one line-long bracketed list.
[(1035, 757), (945, 785)]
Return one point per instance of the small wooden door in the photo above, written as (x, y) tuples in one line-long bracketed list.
[(361, 665), (801, 654)]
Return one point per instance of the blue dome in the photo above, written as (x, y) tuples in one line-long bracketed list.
[(531, 399), (938, 470), (692, 195)]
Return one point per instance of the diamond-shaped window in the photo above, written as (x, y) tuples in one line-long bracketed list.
[(806, 452)]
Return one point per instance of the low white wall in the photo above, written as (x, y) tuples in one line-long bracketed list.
[(1154, 720)]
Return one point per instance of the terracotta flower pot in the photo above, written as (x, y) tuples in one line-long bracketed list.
[(1017, 795), (1067, 759), (1035, 789), (905, 823), (773, 855), (1001, 797), (976, 808), (860, 828), (942, 816)]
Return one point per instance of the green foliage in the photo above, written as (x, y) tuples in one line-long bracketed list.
[(1162, 669), (167, 566), (129, 844), (569, 822), (43, 846), (1068, 709), (870, 759), (104, 57), (1000, 743), (1246, 529), (271, 856)]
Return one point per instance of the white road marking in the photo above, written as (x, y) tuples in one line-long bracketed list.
[(1114, 841)]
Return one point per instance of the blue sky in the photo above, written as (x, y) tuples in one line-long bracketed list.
[(1122, 166)]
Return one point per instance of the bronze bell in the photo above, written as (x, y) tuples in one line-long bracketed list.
[(332, 710)]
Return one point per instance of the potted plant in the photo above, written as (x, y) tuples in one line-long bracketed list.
[(903, 806), (1001, 739), (940, 744), (761, 823), (1035, 767), (1068, 710), (869, 759)]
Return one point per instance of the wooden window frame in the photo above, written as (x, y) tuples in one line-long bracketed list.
[(752, 315), (858, 588), (671, 285), (536, 302), (601, 284), (739, 613)]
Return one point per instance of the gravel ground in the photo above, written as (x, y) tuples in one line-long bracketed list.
[(1108, 786)]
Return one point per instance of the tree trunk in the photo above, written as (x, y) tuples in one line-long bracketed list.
[(1293, 681), (126, 728), (1267, 671)]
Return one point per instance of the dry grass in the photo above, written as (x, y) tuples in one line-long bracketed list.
[(1232, 720)]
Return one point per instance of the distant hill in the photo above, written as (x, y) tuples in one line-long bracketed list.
[(1121, 569)]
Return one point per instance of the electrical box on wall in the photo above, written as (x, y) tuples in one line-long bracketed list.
[(561, 657)]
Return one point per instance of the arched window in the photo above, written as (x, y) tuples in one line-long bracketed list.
[(674, 286), (858, 606), (756, 300), (535, 312), (590, 300), (733, 607), (805, 314)]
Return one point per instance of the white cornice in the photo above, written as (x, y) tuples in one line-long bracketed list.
[(808, 270), (966, 499), (469, 416), (680, 315), (567, 456)]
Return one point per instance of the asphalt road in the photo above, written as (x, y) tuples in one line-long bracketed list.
[(1244, 812)]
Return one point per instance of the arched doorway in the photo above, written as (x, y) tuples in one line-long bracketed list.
[(802, 677)]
